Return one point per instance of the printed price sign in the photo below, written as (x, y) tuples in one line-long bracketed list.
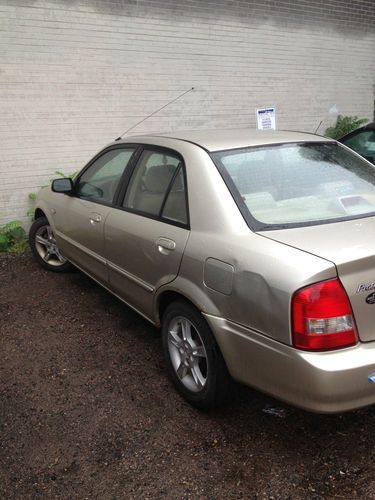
[(266, 118)]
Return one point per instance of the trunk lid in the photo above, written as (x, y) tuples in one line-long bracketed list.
[(350, 245)]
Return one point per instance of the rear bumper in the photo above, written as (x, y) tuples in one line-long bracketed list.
[(325, 382)]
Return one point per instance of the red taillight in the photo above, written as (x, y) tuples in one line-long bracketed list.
[(322, 317)]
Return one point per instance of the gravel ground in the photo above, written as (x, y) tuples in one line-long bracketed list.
[(86, 411)]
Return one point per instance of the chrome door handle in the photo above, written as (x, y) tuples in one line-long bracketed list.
[(165, 245), (95, 218)]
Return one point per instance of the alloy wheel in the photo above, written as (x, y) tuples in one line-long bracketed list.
[(46, 246), (188, 354)]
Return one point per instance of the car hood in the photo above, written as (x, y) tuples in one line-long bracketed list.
[(350, 245)]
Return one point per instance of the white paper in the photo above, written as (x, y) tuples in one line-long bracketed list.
[(266, 118)]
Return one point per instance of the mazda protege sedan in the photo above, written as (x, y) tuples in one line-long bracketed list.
[(253, 251)]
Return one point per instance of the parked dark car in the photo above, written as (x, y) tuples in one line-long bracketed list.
[(362, 141)]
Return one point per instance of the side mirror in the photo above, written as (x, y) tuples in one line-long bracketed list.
[(62, 185)]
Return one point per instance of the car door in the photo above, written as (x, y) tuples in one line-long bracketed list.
[(80, 219), (146, 236)]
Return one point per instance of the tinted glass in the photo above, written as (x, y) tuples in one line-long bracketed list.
[(299, 183), (99, 182), (363, 143), (175, 205), (150, 182)]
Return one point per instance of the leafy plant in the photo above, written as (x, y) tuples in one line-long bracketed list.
[(344, 125), (32, 196), (13, 237), (30, 212), (62, 174)]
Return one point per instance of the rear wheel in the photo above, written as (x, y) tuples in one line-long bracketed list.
[(44, 247), (193, 358)]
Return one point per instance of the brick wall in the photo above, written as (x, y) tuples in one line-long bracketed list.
[(76, 73)]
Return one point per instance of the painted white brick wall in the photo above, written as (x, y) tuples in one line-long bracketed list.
[(76, 73)]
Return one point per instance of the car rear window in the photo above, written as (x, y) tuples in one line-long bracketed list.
[(293, 185)]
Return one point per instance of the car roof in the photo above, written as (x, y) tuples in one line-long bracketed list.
[(217, 140)]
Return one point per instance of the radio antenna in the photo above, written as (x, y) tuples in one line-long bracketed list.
[(318, 127), (154, 112)]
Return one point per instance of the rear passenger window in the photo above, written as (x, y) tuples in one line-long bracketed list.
[(150, 184), (175, 206)]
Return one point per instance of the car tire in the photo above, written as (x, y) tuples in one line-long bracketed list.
[(194, 361), (44, 248)]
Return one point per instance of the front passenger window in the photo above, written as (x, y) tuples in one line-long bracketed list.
[(99, 182)]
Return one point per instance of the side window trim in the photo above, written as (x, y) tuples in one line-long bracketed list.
[(122, 193), (123, 146), (176, 172), (126, 176)]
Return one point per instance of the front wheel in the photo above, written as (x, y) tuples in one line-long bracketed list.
[(44, 247), (194, 361)]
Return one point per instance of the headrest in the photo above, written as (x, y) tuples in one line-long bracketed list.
[(158, 177), (259, 200)]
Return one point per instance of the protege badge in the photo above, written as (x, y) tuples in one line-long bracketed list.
[(366, 288), (370, 299)]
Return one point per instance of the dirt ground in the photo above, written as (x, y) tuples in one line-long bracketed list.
[(86, 411)]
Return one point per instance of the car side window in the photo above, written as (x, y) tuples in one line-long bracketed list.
[(151, 181), (363, 143), (175, 207), (99, 182)]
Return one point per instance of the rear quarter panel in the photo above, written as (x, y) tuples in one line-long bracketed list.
[(265, 276)]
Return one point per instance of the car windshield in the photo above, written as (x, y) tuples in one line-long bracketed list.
[(293, 185)]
